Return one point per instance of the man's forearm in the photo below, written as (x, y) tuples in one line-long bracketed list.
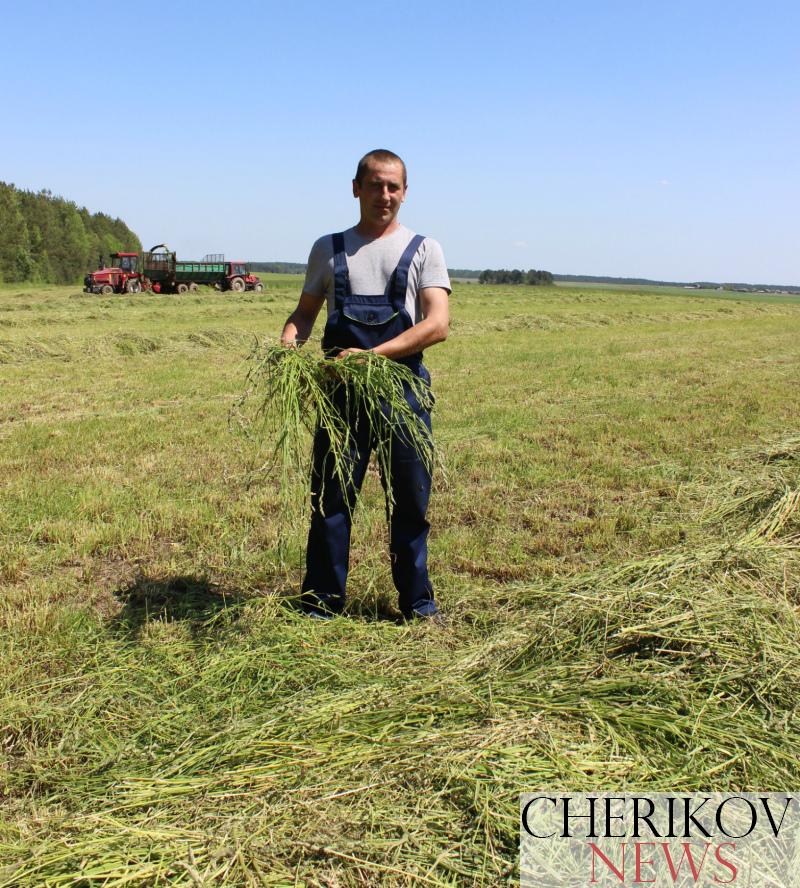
[(300, 322), (417, 338)]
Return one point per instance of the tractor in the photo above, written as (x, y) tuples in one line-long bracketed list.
[(120, 277)]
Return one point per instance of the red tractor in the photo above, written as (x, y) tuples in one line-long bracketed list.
[(238, 278), (122, 277)]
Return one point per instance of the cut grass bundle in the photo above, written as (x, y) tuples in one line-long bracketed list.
[(289, 393)]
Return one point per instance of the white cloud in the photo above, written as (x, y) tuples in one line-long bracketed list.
[(664, 182), (519, 243)]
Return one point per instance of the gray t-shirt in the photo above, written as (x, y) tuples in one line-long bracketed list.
[(371, 262)]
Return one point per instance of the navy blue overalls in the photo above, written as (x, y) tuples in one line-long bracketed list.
[(364, 321)]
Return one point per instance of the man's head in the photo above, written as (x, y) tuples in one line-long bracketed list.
[(380, 186), (379, 155)]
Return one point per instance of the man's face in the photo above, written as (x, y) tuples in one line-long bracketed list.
[(380, 192)]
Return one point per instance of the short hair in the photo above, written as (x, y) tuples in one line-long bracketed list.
[(381, 155)]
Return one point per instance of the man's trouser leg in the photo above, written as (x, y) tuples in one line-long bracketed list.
[(408, 534), (328, 550)]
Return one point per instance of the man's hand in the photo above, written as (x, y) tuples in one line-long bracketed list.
[(346, 352), (301, 321)]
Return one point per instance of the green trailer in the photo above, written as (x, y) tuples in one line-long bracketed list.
[(167, 274)]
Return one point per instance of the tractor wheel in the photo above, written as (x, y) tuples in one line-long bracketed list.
[(193, 287), (106, 289), (182, 288), (259, 288), (237, 285), (134, 285)]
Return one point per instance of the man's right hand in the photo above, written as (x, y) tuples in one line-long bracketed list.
[(300, 323)]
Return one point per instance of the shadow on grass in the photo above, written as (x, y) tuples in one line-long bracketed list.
[(195, 601)]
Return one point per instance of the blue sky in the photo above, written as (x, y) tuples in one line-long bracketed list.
[(615, 138)]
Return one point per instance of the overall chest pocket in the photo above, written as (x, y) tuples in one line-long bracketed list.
[(369, 315)]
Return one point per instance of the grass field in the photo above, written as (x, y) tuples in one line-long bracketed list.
[(617, 543)]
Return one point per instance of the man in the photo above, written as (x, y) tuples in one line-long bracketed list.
[(387, 292)]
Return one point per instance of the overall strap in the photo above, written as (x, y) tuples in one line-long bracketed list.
[(401, 272), (341, 276)]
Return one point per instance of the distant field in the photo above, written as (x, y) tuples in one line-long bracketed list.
[(684, 291), (616, 543), (663, 290)]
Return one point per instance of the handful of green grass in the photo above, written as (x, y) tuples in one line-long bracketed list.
[(290, 392)]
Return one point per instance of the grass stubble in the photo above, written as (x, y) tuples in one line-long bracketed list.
[(189, 730)]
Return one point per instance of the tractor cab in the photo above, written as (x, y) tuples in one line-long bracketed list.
[(125, 262)]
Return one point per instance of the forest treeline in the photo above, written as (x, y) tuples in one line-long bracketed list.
[(47, 239), (515, 276), (278, 267)]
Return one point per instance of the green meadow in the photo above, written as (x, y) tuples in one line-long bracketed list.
[(616, 541)]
